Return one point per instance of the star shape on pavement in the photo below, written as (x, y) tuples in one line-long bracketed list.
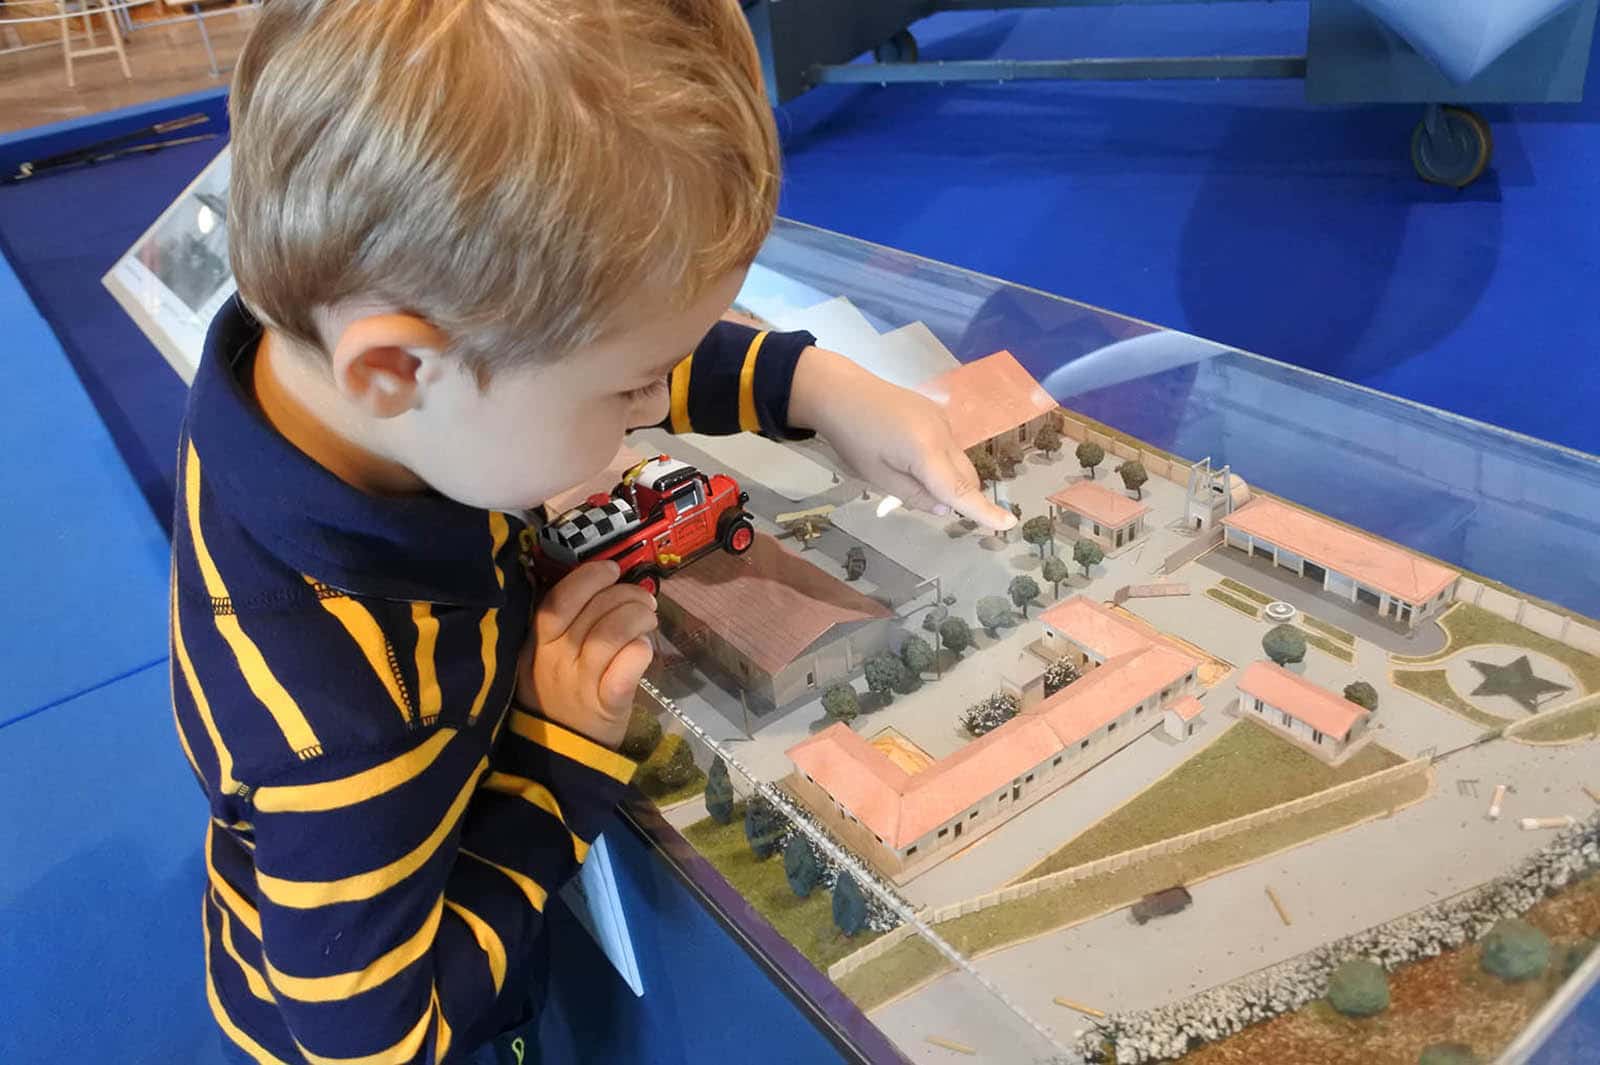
[(1517, 681)]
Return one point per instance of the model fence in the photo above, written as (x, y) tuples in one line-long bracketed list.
[(871, 952), (1114, 862), (1541, 619)]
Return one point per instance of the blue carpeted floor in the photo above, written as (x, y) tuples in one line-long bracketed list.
[(1234, 210)]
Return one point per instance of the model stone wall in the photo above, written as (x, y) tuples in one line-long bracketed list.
[(1173, 1030)]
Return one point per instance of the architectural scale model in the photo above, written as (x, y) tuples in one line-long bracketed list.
[(1164, 681)]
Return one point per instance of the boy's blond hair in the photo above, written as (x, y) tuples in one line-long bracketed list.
[(516, 171)]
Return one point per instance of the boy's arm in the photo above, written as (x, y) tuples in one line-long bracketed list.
[(395, 887), (737, 380)]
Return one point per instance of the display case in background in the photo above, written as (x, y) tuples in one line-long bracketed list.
[(1140, 861)]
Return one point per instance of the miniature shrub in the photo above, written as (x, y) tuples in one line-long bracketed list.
[(644, 732), (917, 654), (673, 762), (990, 714), (719, 792), (800, 866), (993, 612), (1284, 644), (1359, 988), (935, 617), (1514, 950), (1362, 694), (1448, 1054), (763, 825), (849, 907), (955, 635), (840, 703), (1058, 675), (886, 674)]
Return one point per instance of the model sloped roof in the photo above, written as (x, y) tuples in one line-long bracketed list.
[(769, 604), (987, 397), (1105, 694), (1098, 503), (1106, 632), (1376, 563), (1188, 708), (901, 808), (1299, 698)]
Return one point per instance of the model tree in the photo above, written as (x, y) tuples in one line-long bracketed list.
[(762, 827), (719, 792), (1009, 458), (1087, 554), (840, 703), (1023, 590), (644, 733), (935, 617), (887, 674), (1055, 571), (918, 655), (993, 612), (800, 866), (1048, 439), (1134, 476), (1284, 644), (983, 462), (677, 768), (1362, 694), (1039, 532), (1090, 455), (955, 635), (849, 905)]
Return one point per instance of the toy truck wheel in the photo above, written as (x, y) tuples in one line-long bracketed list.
[(646, 577), (738, 536)]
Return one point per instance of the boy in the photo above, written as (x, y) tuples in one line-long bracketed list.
[(473, 241)]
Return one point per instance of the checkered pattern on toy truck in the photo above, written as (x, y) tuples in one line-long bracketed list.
[(585, 528)]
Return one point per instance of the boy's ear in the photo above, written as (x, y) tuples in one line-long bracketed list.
[(383, 363)]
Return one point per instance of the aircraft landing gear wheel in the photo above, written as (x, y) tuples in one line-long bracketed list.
[(1451, 146), (738, 536), (901, 48), (646, 577)]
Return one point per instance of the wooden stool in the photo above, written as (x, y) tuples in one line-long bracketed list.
[(87, 10)]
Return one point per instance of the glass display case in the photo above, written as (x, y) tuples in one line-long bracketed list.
[(1269, 735)]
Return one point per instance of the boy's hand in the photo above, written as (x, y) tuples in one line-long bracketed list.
[(590, 646), (897, 439)]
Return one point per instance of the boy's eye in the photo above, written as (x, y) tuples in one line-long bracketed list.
[(649, 391)]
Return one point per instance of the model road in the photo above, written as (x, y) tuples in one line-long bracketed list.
[(1331, 888)]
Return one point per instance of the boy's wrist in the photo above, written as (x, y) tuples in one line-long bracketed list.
[(818, 375)]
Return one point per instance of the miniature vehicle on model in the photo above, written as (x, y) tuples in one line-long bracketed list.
[(661, 516), (1162, 903)]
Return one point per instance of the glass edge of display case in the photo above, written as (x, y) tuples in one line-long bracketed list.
[(1463, 421), (844, 1024)]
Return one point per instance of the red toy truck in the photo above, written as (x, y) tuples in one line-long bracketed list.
[(663, 515)]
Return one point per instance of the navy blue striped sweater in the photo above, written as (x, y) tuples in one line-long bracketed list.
[(386, 824)]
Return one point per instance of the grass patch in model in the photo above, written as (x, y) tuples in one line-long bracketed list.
[(1327, 646), (1434, 686), (807, 923), (1240, 588), (1448, 999), (1245, 769), (913, 962), (1469, 625), (1328, 630), (1580, 721), (1232, 601)]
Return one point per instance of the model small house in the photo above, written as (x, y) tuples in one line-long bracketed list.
[(1183, 717), (903, 823), (1325, 723), (1396, 584), (991, 401), (772, 624), (1098, 513)]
